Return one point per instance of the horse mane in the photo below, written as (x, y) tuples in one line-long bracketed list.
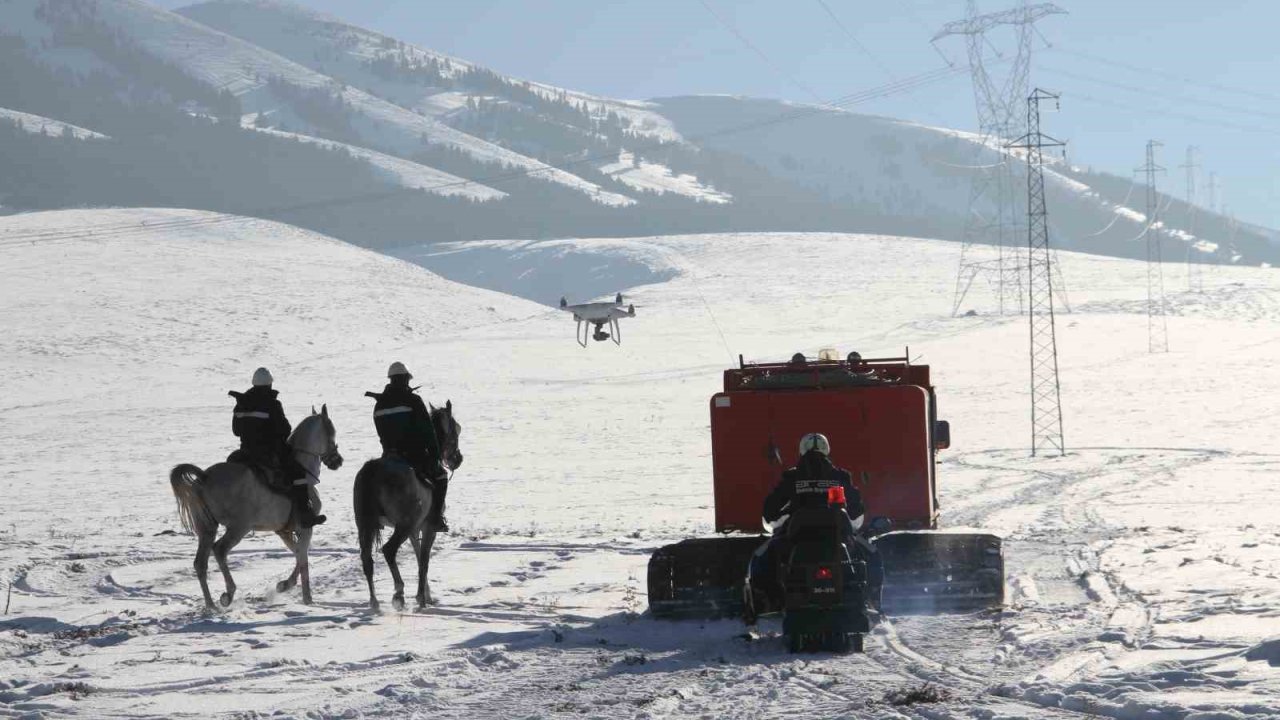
[(306, 423), (306, 426)]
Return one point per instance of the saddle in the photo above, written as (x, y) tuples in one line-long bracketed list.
[(393, 456), (267, 472)]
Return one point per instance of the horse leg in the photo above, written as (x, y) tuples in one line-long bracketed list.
[(303, 563), (202, 562), (389, 549), (366, 562), (424, 564), (415, 538), (288, 583), (229, 539)]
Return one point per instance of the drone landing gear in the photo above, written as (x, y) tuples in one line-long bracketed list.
[(599, 335)]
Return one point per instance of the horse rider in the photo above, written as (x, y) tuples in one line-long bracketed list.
[(804, 486), (259, 421), (405, 429)]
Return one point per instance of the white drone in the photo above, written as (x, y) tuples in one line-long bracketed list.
[(598, 314)]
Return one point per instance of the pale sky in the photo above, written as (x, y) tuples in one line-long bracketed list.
[(1185, 73)]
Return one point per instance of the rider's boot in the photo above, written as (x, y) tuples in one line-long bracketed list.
[(301, 495), (435, 518)]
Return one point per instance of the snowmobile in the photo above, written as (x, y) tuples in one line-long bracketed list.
[(881, 417), (827, 591)]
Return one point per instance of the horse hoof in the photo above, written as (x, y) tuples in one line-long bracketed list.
[(225, 600), (397, 602), (283, 586)]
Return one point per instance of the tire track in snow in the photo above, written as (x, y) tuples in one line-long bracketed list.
[(1113, 613)]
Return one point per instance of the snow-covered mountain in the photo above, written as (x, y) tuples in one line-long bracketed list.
[(402, 142)]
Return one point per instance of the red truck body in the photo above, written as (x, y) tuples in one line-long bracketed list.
[(878, 414)]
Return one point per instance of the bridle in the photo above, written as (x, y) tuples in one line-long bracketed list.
[(453, 452), (330, 457)]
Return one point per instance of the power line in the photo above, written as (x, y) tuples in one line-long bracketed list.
[(112, 229), (1123, 203), (1168, 76), (1146, 112), (1146, 91), (752, 46), (854, 39)]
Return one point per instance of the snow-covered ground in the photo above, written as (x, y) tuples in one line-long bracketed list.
[(37, 124), (1143, 566), (404, 172), (658, 178)]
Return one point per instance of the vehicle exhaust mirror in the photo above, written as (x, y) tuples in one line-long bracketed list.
[(941, 435)]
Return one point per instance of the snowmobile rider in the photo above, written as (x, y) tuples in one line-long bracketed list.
[(804, 485), (405, 430), (258, 420)]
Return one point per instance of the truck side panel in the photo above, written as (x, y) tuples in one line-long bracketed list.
[(881, 434)]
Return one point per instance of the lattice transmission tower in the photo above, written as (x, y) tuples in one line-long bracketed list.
[(990, 249), (1046, 401), (1157, 321), (1195, 274)]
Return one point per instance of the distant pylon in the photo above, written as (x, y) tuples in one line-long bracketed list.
[(1195, 276), (1157, 322), (990, 249), (1046, 401)]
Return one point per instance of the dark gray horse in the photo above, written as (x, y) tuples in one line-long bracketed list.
[(389, 494), (232, 495)]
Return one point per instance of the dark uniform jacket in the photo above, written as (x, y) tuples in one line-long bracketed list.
[(806, 485), (259, 421), (404, 427)]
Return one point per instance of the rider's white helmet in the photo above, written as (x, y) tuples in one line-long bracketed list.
[(815, 441), (398, 368), (262, 377)]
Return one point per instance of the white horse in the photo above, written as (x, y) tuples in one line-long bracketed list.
[(231, 494)]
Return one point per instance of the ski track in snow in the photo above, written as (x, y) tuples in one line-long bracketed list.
[(1143, 574)]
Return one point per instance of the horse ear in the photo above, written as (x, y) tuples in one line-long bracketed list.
[(324, 409), (448, 405), (313, 409)]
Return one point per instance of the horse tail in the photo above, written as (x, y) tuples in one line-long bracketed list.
[(192, 510), (366, 506)]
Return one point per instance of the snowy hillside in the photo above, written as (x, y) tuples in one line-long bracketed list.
[(1142, 568), (921, 171), (248, 71), (39, 124), (548, 161), (406, 173), (352, 53)]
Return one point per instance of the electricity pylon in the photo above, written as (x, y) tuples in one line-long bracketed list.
[(1157, 321), (1195, 278), (1046, 402), (990, 249)]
